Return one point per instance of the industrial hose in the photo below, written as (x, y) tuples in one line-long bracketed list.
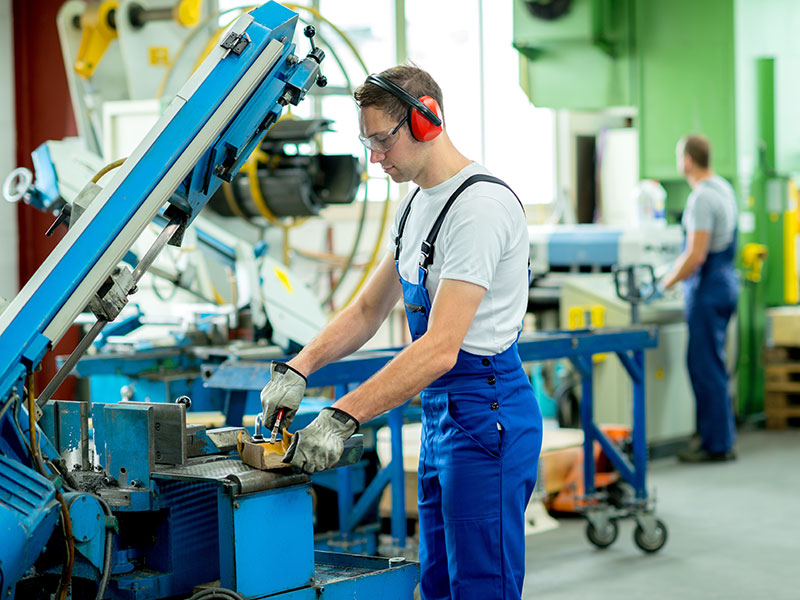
[(374, 257), (66, 521), (106, 573), (109, 167), (223, 593)]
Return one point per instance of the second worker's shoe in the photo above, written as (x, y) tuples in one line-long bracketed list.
[(699, 455)]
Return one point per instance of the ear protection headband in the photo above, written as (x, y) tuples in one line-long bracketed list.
[(424, 114)]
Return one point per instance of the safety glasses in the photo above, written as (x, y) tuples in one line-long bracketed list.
[(383, 142)]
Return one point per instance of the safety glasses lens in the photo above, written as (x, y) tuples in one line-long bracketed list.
[(382, 142)]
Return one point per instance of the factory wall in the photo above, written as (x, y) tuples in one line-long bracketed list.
[(9, 281)]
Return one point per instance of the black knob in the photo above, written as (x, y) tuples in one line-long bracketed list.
[(309, 31), (185, 400), (322, 81)]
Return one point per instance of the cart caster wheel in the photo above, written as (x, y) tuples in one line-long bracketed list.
[(602, 537), (651, 543)]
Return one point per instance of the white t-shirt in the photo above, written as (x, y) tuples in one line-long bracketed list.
[(483, 240)]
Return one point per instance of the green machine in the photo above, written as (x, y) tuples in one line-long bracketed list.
[(685, 66)]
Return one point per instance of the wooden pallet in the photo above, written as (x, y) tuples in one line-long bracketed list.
[(779, 354), (782, 397)]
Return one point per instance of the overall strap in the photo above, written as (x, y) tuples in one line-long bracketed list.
[(402, 226), (427, 245)]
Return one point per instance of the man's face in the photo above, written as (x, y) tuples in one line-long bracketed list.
[(388, 141)]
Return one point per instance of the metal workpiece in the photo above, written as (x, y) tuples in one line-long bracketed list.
[(222, 440), (353, 451)]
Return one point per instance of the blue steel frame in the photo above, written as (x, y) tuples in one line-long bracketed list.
[(578, 346)]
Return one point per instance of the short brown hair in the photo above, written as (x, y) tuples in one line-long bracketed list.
[(698, 148), (411, 78)]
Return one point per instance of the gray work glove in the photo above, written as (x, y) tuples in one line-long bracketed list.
[(320, 444), (284, 391)]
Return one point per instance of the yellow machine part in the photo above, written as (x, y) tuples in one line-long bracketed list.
[(753, 256), (791, 227), (187, 12), (588, 317), (98, 32)]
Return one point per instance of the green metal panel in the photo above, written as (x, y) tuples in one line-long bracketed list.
[(685, 52), (577, 25), (579, 61), (579, 78)]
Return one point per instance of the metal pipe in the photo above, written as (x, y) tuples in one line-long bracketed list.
[(139, 16)]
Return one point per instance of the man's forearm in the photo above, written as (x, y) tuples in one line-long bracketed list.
[(684, 266), (406, 375), (344, 335)]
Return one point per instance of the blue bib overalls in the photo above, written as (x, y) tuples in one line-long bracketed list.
[(711, 294), (481, 438)]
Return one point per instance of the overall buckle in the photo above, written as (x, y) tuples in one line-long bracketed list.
[(426, 253)]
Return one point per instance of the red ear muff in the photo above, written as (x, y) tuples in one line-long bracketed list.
[(423, 128), (424, 114)]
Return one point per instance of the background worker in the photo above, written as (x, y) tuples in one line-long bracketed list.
[(459, 244), (711, 291)]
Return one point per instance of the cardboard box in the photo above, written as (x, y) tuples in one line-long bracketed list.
[(561, 450), (385, 505), (783, 326)]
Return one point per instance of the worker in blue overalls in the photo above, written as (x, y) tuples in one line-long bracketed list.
[(711, 291), (458, 257)]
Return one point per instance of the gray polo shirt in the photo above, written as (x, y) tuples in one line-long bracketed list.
[(712, 207)]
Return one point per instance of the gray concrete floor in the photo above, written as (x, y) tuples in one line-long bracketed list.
[(733, 532)]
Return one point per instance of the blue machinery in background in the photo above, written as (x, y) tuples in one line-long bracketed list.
[(168, 507), (238, 379), (233, 386)]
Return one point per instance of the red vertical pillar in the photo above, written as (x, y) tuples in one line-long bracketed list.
[(43, 112)]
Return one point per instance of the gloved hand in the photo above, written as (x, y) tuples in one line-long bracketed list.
[(284, 391), (319, 445)]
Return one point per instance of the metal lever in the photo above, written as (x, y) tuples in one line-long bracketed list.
[(316, 53), (257, 435)]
